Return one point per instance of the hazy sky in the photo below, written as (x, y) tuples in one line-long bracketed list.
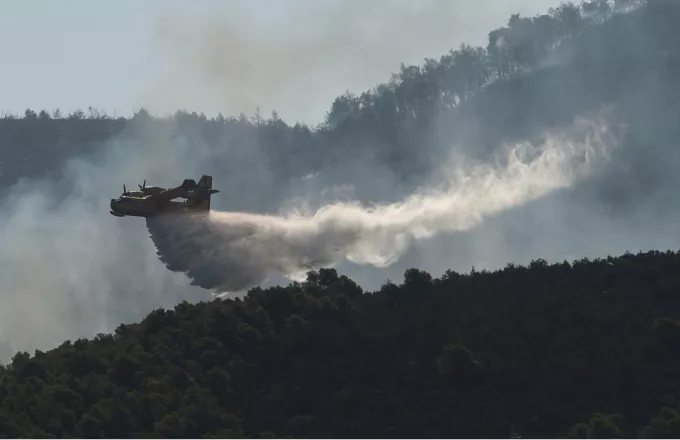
[(225, 56)]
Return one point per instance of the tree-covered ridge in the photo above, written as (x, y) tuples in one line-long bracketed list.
[(420, 110), (517, 48), (582, 349)]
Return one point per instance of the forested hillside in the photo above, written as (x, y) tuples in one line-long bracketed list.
[(588, 349)]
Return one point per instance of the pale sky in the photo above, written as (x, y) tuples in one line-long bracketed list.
[(225, 56)]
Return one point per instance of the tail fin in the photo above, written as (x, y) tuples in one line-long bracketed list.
[(204, 203), (205, 182)]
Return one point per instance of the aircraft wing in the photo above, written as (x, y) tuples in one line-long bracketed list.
[(164, 196), (188, 190), (171, 193)]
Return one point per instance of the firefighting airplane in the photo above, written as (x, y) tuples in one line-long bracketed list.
[(151, 201)]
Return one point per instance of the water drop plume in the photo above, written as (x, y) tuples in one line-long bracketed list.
[(232, 251)]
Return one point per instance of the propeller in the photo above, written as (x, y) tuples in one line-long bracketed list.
[(124, 190), (142, 186)]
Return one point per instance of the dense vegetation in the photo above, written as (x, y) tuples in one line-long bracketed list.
[(588, 349), (583, 349)]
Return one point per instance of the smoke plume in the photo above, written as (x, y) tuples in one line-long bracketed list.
[(237, 60), (229, 251)]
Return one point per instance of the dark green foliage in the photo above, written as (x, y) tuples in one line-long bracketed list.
[(664, 425), (599, 426), (581, 350)]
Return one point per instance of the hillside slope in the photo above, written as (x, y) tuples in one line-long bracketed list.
[(589, 348)]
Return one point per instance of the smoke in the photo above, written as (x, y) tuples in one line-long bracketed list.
[(68, 269), (228, 251), (296, 59)]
